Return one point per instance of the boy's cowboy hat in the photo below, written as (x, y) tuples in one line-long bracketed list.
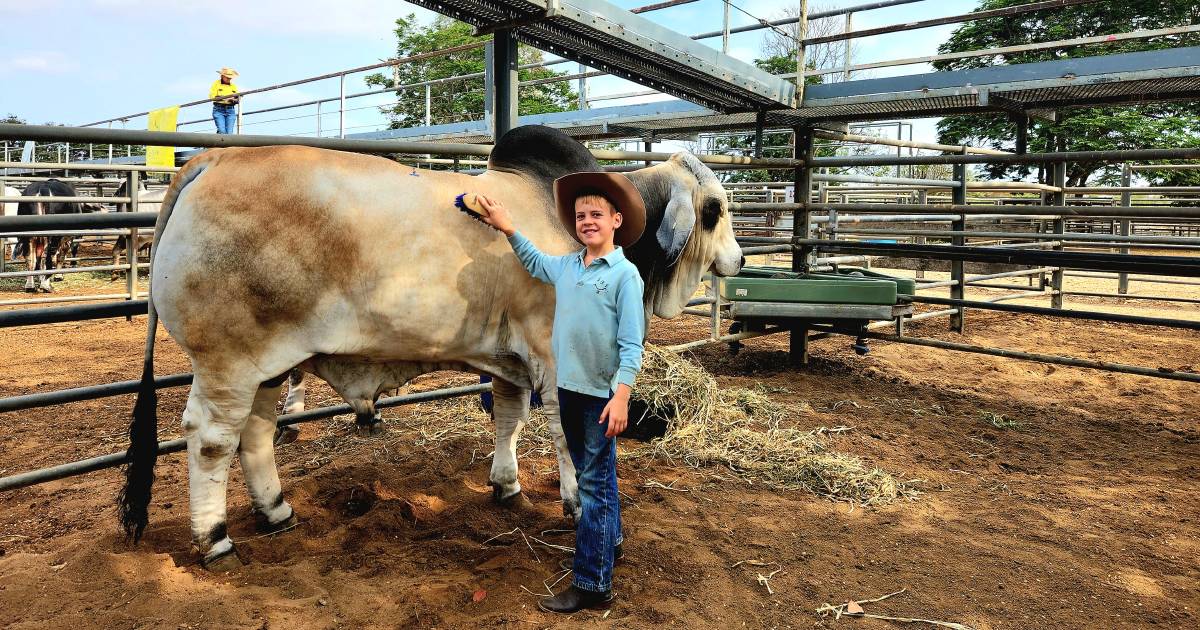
[(227, 72), (617, 188)]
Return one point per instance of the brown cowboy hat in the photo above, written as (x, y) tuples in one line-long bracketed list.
[(617, 188)]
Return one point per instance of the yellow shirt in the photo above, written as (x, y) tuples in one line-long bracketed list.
[(222, 89)]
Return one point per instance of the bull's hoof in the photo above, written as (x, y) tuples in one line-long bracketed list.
[(223, 563), (58, 277), (46, 289), (261, 525), (572, 512), (509, 500), (374, 429), (31, 289), (286, 435)]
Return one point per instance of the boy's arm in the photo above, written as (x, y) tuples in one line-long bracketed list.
[(538, 264), (631, 329)]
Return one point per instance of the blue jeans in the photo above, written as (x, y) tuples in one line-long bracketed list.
[(226, 118), (598, 531)]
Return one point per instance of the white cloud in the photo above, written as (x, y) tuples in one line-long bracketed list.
[(45, 62)]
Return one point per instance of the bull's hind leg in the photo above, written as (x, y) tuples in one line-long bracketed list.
[(293, 404), (510, 410), (257, 454), (213, 420), (568, 485)]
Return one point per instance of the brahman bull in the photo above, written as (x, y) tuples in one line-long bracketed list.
[(362, 271), (42, 252)]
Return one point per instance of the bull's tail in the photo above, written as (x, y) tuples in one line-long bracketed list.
[(134, 502)]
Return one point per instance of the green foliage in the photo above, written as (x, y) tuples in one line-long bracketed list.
[(1079, 129), (463, 99)]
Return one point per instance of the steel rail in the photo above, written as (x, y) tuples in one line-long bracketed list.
[(113, 460), (1115, 318)]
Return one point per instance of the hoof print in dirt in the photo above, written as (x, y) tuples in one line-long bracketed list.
[(355, 501)]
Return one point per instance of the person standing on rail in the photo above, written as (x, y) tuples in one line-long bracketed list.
[(225, 105)]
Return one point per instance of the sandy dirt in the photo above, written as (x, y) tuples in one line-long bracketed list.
[(1084, 514)]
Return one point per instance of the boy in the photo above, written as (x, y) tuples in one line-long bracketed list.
[(599, 325)]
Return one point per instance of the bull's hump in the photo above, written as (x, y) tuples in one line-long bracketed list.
[(541, 153)]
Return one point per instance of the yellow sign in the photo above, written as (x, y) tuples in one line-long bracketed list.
[(162, 120)]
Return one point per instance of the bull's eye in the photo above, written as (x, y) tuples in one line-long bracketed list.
[(710, 213)]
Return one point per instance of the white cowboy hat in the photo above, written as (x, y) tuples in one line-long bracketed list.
[(227, 72)]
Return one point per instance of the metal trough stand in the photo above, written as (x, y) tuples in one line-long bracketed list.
[(816, 312)]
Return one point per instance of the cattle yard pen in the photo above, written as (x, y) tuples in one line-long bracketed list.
[(817, 226), (1039, 228)]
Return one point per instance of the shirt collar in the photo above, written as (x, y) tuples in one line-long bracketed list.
[(610, 259)]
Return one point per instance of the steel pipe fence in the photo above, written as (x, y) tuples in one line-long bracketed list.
[(112, 460), (885, 212)]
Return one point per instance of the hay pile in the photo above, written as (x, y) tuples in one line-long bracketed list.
[(707, 427), (739, 429)]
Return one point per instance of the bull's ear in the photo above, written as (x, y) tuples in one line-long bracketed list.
[(678, 221)]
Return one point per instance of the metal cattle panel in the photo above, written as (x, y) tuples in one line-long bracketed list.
[(603, 36)]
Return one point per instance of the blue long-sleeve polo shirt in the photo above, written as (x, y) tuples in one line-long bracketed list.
[(599, 319)]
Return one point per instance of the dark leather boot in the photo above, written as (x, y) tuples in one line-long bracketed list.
[(574, 600), (566, 564)]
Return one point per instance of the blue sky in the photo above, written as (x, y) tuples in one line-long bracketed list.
[(80, 61)]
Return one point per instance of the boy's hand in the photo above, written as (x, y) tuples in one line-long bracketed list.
[(616, 412), (497, 215)]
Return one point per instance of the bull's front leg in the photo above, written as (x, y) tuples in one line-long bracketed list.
[(510, 410)]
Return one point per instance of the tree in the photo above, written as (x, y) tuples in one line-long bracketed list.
[(459, 100), (1079, 129), (779, 47)]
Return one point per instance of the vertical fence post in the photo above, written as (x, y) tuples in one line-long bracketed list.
[(801, 228), (132, 183), (318, 119), (342, 106), (489, 80), (1126, 200), (504, 77), (1058, 199), (848, 42), (715, 282), (958, 290), (801, 33), (428, 105), (760, 121), (923, 199), (725, 30), (239, 117), (583, 88)]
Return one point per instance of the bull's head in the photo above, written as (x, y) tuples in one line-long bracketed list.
[(688, 232)]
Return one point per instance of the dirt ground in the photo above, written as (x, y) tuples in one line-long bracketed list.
[(1083, 512)]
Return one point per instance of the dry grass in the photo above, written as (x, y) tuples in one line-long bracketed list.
[(739, 429), (708, 427)]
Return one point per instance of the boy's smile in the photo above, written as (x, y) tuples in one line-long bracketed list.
[(595, 224)]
